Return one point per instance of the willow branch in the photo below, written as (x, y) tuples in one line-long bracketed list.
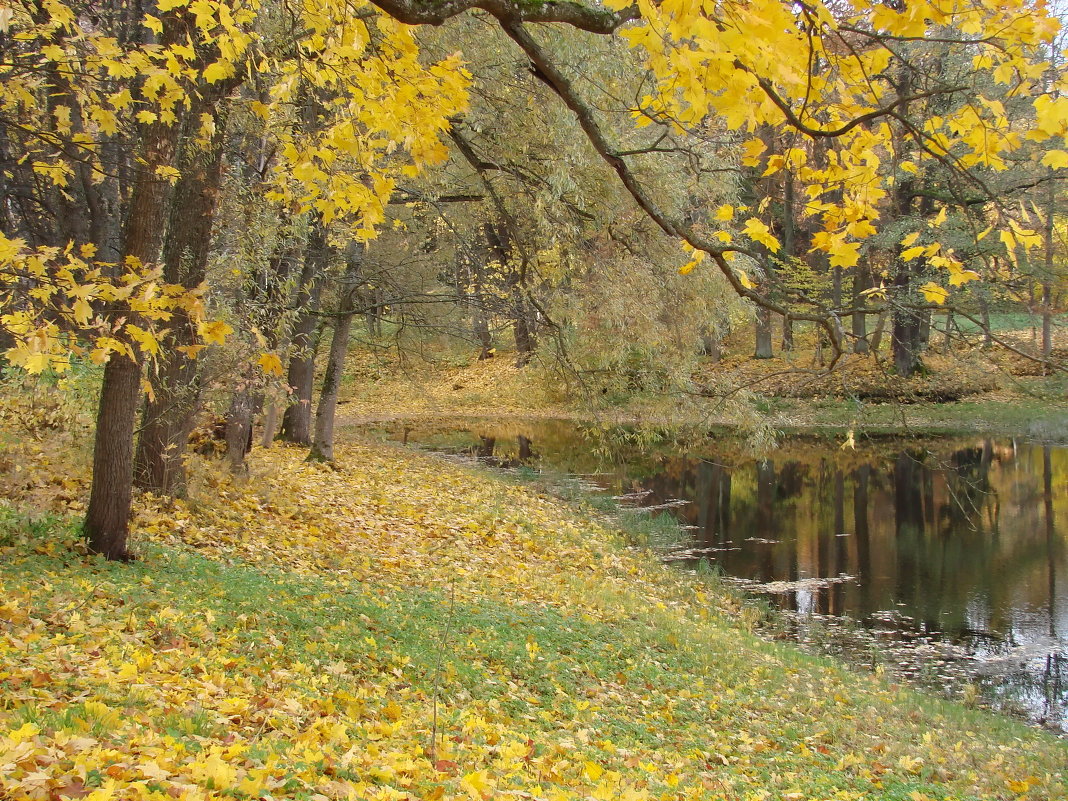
[(566, 91)]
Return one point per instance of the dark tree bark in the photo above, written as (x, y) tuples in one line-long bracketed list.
[(170, 413), (905, 334), (107, 518), (322, 448), (861, 282), (522, 327), (470, 280), (296, 422), (108, 515), (924, 337)]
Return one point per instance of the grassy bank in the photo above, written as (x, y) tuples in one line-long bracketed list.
[(992, 399), (402, 627)]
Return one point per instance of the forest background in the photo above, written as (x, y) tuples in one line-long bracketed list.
[(200, 197), (221, 221)]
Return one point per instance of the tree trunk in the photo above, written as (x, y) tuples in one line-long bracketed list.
[(763, 334), (861, 279), (469, 281), (905, 334), (169, 414), (877, 335), (923, 340), (239, 426), (984, 317), (787, 332), (480, 326), (711, 346), (522, 328), (296, 421), (107, 518), (270, 423), (1047, 279), (322, 449)]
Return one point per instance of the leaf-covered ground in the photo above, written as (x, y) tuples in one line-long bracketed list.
[(1000, 394), (405, 628)]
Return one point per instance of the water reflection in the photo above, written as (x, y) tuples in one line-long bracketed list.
[(953, 546)]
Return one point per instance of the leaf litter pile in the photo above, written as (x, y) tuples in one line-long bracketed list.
[(398, 627)]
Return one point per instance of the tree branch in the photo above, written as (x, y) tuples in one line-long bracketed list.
[(577, 15), (566, 91)]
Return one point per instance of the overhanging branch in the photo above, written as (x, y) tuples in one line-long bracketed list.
[(577, 15), (566, 91)]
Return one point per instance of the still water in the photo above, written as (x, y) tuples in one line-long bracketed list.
[(943, 561)]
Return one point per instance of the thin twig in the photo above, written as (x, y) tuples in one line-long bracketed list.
[(437, 672)]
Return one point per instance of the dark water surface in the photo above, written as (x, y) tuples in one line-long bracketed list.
[(943, 561)]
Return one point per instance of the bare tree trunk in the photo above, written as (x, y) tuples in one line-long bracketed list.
[(469, 282), (923, 340), (1047, 279), (296, 421), (271, 420), (522, 328), (322, 448), (877, 335), (905, 333), (710, 345), (763, 334), (984, 317), (107, 518), (787, 332), (861, 279), (169, 414), (239, 425)]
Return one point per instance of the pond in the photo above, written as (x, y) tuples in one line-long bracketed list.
[(942, 561)]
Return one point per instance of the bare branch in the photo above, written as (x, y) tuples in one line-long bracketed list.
[(577, 15)]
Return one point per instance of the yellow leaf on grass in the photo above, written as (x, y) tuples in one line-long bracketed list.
[(592, 771), (476, 784)]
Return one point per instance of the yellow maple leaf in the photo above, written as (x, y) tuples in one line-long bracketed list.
[(759, 232), (933, 293), (476, 784), (844, 254), (270, 364), (215, 332)]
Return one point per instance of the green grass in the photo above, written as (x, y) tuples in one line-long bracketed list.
[(646, 677), (1002, 321)]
